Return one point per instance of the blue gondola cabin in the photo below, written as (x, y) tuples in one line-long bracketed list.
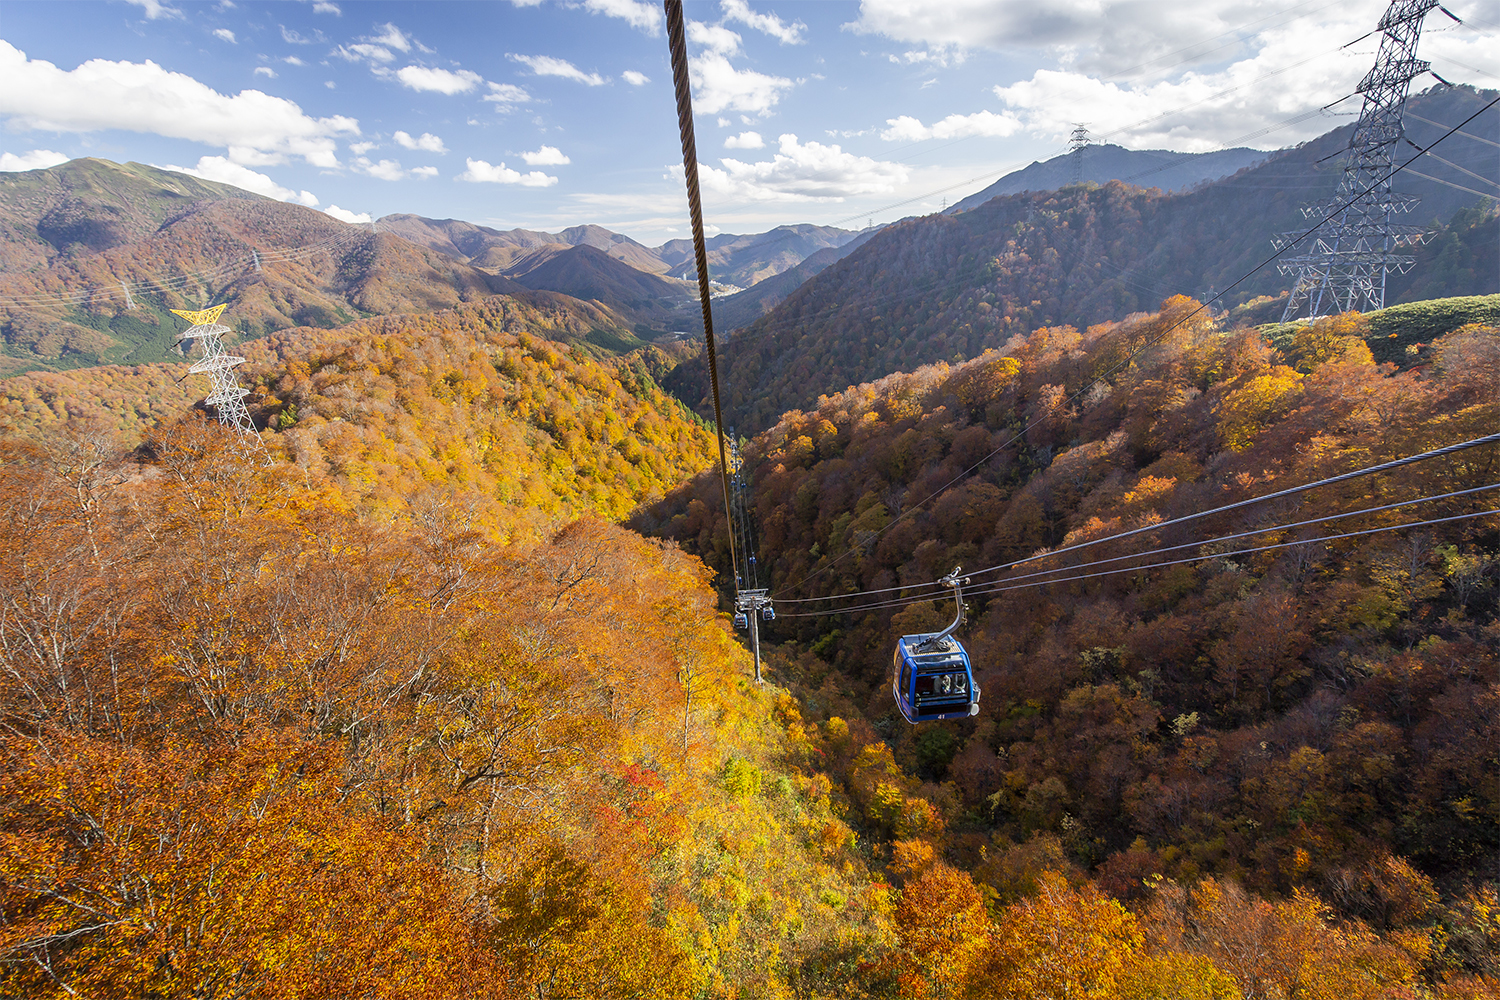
[(935, 682)]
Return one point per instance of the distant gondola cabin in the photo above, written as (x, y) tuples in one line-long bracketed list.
[(933, 683)]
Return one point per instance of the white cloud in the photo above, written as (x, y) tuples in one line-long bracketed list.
[(293, 38), (1114, 37), (1198, 112), (391, 37), (216, 168), (645, 16), (247, 157), (344, 215), (265, 71), (377, 49), (507, 93), (143, 97), (385, 170), (803, 172), (361, 148), (364, 50), (713, 37), (480, 172), (635, 78), (745, 140), (293, 61), (37, 159), (1214, 73), (718, 86), (426, 141), (787, 34), (552, 66), (156, 9), (908, 129), (547, 156), (937, 57), (325, 7), (424, 171), (225, 34), (442, 81)]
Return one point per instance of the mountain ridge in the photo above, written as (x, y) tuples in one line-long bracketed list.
[(946, 287)]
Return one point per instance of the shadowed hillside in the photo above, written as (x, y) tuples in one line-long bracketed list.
[(946, 287)]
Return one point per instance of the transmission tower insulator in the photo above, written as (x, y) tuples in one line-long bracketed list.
[(226, 395), (1346, 264)]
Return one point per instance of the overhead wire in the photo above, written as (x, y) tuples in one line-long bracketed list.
[(1130, 358), (1290, 491), (1449, 163), (179, 281), (1466, 135), (1000, 589), (1218, 540)]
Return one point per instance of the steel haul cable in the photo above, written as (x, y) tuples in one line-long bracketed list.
[(1279, 494), (1014, 583), (678, 44)]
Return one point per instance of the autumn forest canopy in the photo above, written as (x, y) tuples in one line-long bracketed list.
[(385, 705), (429, 688)]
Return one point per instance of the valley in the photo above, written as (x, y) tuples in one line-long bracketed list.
[(431, 687)]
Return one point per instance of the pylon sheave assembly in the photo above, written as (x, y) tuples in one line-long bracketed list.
[(1345, 266), (226, 396)]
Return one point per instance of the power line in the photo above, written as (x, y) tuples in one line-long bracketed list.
[(999, 589), (1150, 552), (1343, 477)]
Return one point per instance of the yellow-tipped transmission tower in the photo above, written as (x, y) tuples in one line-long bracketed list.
[(226, 396)]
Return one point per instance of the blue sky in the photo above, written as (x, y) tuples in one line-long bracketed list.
[(551, 114)]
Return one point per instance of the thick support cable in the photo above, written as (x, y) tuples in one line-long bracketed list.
[(678, 44)]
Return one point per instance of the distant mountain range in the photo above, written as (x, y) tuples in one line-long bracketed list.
[(509, 251), (740, 260), (745, 307), (75, 238), (96, 253)]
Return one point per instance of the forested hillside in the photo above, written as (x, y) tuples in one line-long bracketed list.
[(383, 708), (1314, 721), (482, 397), (945, 288), (279, 749)]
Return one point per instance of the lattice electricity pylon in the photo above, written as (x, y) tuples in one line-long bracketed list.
[(1346, 266), (1077, 143), (227, 398)]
